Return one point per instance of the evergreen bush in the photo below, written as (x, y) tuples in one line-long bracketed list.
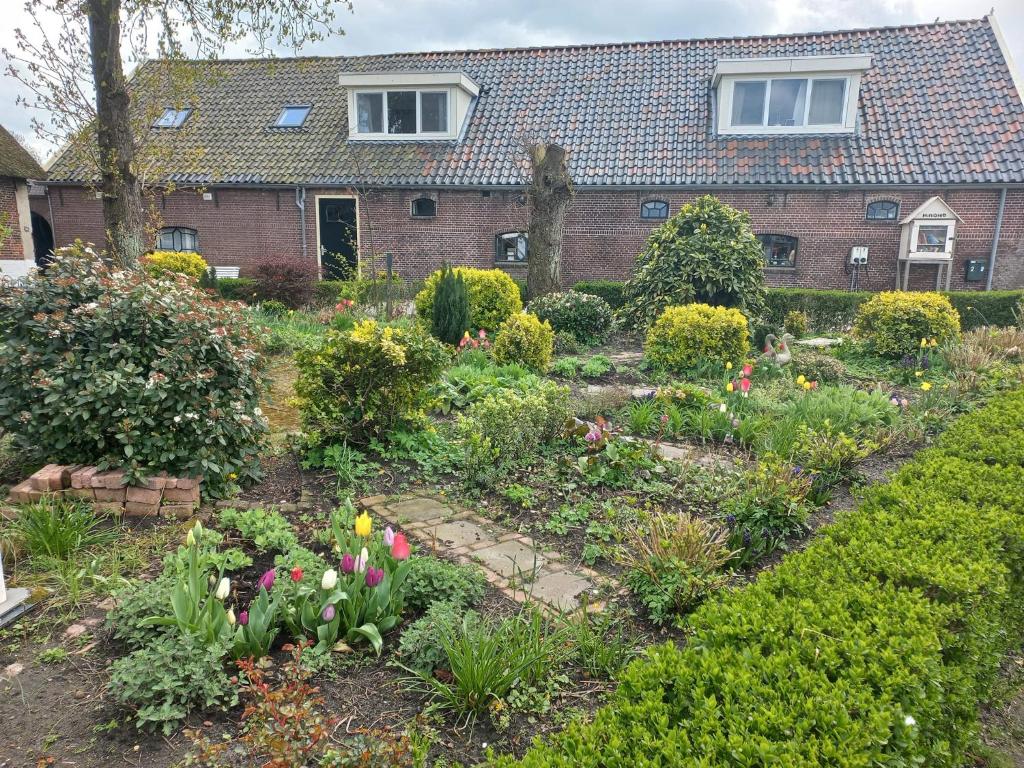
[(186, 263), (493, 296), (450, 312), (685, 337), (895, 322), (524, 339)]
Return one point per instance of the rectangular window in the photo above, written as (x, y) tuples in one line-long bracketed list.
[(828, 98), (434, 112), (787, 103), (794, 102), (511, 247), (779, 250), (292, 117), (931, 238), (172, 118), (748, 102), (401, 111), (370, 112)]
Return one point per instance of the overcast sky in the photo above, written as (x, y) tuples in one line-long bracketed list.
[(381, 26)]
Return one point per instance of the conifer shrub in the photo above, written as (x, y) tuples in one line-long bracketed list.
[(493, 296), (450, 312)]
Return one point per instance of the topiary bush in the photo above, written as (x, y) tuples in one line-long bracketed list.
[(186, 263), (609, 290), (524, 339), (706, 253), (587, 317), (685, 337), (450, 313), (104, 366), (289, 279), (361, 384), (894, 322), (493, 296)]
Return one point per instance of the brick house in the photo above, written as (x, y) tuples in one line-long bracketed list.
[(17, 166), (867, 158)]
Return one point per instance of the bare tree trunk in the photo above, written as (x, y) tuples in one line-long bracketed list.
[(123, 216), (548, 198)]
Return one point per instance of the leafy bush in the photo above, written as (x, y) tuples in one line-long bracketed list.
[(609, 290), (471, 381), (817, 366), (586, 317), (978, 308), (674, 563), (493, 296), (188, 263), (286, 278), (267, 529), (509, 428), (237, 288), (522, 338), (566, 367), (567, 344), (113, 368), (796, 323), (363, 384), (684, 337), (596, 366), (874, 646), (54, 527), (433, 580), (706, 253), (421, 645), (450, 312), (894, 322)]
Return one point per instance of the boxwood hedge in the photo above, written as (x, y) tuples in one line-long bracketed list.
[(874, 646)]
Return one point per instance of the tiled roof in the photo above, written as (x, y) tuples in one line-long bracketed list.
[(15, 160), (937, 106)]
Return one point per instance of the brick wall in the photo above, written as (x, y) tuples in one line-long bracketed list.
[(11, 248), (603, 230)]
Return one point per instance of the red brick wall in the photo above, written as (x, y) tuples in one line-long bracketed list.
[(603, 231), (11, 247)]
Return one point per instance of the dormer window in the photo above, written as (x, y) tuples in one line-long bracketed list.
[(173, 118), (292, 117), (810, 94), (408, 105)]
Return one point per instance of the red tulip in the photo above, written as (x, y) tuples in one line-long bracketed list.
[(748, 369), (744, 386), (400, 549), (296, 573)]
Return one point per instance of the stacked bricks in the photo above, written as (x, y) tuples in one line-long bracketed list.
[(108, 491)]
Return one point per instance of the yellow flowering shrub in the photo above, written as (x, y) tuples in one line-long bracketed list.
[(524, 339), (684, 337), (493, 296), (177, 262), (894, 322), (362, 383)]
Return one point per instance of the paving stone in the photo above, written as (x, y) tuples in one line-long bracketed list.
[(510, 558), (560, 589), (460, 533), (674, 452), (418, 509)]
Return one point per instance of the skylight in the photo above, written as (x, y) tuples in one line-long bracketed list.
[(173, 118), (292, 117)]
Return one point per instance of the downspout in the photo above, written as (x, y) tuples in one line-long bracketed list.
[(300, 203), (995, 240)]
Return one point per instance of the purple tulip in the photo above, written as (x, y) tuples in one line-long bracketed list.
[(267, 580), (348, 563), (389, 536), (243, 618), (374, 576), (328, 613)]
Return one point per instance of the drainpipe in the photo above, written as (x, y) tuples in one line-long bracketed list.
[(300, 203), (995, 240)]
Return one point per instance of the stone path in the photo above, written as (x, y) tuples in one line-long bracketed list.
[(517, 565)]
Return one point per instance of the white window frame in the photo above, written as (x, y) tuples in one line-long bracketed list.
[(946, 252), (420, 134), (851, 89), (284, 111)]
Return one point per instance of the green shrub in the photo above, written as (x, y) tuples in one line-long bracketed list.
[(432, 580), (362, 384), (421, 647), (874, 646), (978, 308), (684, 337), (493, 296), (114, 368), (327, 293), (289, 279), (274, 308), (522, 338), (450, 312), (894, 322), (237, 288), (706, 253), (567, 344), (267, 529), (509, 427), (609, 290), (188, 263), (588, 318), (795, 323), (566, 367), (817, 366), (596, 366)]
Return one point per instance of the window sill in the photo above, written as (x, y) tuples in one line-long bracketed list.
[(780, 269)]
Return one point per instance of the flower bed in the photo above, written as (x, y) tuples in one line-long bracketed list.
[(872, 647)]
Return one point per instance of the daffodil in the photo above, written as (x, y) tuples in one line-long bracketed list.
[(363, 525), (807, 386), (801, 379), (933, 343), (919, 374), (926, 385)]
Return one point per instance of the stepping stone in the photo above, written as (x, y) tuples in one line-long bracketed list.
[(510, 558), (674, 452), (560, 589), (643, 393), (417, 510), (819, 342), (461, 533)]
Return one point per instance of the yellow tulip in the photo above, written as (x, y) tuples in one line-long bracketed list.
[(728, 366), (363, 525), (934, 342), (926, 385), (919, 374), (729, 387), (924, 343), (807, 385), (800, 379)]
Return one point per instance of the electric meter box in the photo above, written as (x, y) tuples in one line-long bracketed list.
[(976, 270), (859, 255)]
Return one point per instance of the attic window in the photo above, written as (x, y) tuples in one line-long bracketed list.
[(292, 117), (784, 101), (424, 208), (882, 210), (654, 209), (402, 113), (173, 118)]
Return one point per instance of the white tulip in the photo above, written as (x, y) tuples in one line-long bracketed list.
[(329, 579), (223, 589), (231, 617)]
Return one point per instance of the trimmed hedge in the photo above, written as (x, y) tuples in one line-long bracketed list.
[(833, 310), (609, 290), (237, 288), (874, 646)]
